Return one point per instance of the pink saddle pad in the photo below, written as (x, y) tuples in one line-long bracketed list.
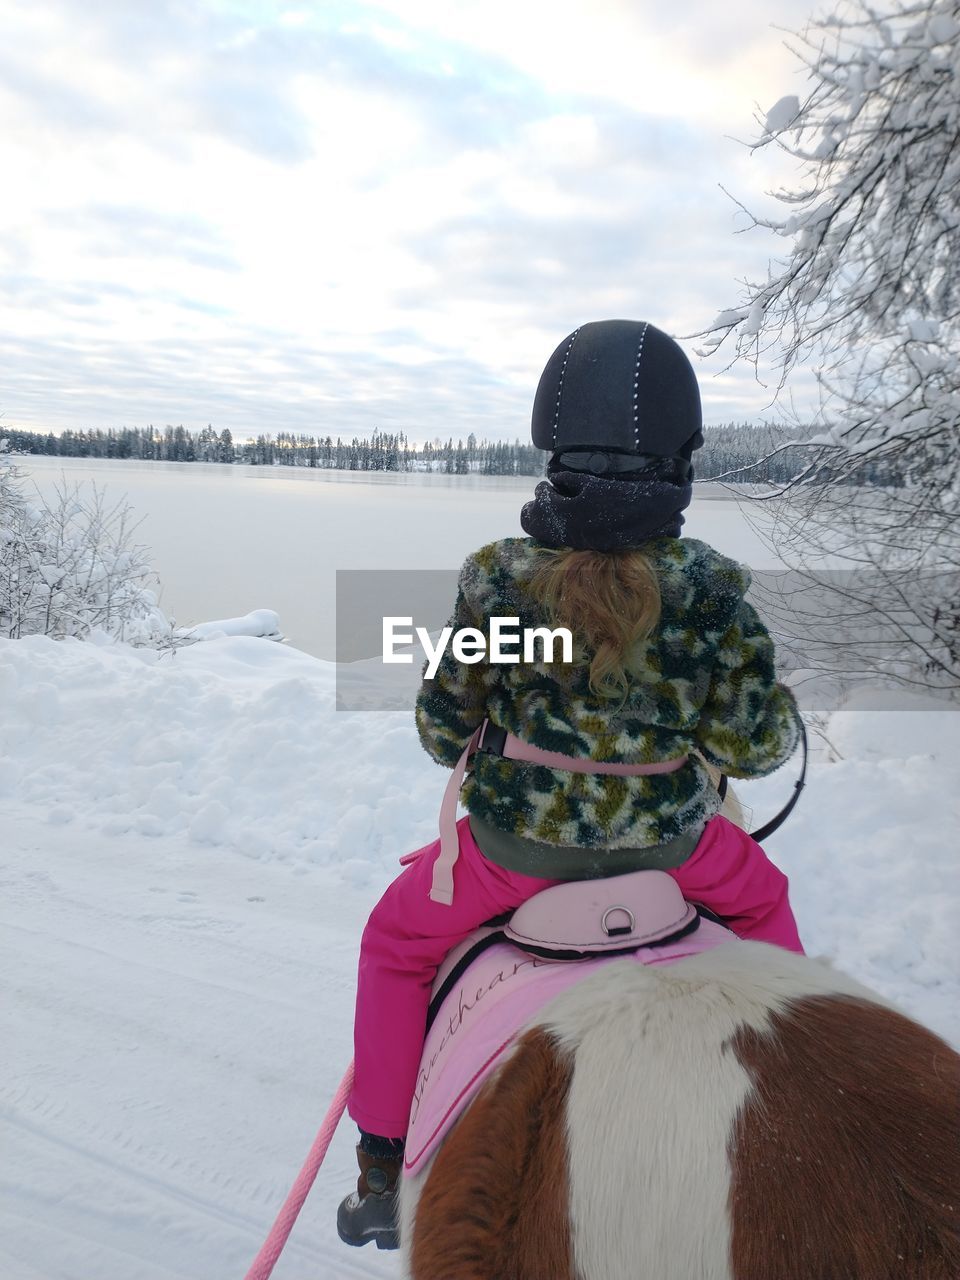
[(486, 1009)]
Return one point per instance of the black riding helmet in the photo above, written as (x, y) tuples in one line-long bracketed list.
[(616, 397), (618, 408)]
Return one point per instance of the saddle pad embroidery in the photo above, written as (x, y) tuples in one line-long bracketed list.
[(484, 1013)]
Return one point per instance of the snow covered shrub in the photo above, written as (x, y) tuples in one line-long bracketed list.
[(70, 568)]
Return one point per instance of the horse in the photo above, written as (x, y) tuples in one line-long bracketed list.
[(740, 1114)]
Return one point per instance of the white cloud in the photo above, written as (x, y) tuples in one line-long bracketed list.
[(262, 216), (696, 61)]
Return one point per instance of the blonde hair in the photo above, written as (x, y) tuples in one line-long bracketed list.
[(609, 600)]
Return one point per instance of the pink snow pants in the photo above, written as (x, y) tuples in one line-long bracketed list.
[(408, 935)]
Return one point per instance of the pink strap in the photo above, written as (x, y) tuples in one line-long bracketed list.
[(516, 749), (441, 888)]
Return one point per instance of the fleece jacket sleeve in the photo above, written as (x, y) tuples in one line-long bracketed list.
[(749, 724)]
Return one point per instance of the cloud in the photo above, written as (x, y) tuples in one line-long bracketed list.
[(252, 387), (222, 73), (57, 104), (364, 214), (126, 230)]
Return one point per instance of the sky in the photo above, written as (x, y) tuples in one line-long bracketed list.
[(338, 217)]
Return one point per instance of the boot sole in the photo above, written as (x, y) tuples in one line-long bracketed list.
[(382, 1239)]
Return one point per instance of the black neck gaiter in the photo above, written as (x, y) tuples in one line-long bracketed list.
[(603, 513)]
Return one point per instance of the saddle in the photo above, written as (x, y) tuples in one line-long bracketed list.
[(493, 983)]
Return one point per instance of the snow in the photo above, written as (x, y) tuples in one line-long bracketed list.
[(754, 320), (942, 28), (259, 622), (726, 318), (827, 145), (924, 330), (190, 842), (783, 112)]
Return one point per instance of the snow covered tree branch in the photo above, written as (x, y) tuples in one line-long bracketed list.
[(873, 228), (868, 294)]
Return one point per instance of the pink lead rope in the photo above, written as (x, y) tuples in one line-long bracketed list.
[(266, 1259), (441, 889)]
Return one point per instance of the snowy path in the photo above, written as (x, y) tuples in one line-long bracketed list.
[(172, 1056), (188, 850)]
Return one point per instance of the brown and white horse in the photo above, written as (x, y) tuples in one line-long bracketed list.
[(743, 1114)]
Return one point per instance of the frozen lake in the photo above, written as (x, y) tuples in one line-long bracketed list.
[(229, 539)]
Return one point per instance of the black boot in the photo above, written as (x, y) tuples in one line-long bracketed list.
[(369, 1213)]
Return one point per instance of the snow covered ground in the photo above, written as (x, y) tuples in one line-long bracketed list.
[(189, 845)]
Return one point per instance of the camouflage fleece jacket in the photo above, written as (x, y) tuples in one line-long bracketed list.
[(704, 681)]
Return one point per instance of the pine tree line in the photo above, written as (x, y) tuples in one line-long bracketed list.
[(381, 452), (731, 450)]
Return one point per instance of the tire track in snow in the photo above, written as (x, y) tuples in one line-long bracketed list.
[(193, 1193), (152, 1115)]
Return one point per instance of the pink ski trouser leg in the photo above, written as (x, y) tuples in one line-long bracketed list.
[(403, 945), (729, 873)]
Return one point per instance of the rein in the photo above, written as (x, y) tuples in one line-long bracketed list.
[(263, 1264)]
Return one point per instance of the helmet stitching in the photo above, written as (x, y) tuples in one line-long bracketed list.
[(636, 393), (566, 355)]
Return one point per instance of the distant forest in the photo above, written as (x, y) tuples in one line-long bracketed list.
[(730, 451)]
